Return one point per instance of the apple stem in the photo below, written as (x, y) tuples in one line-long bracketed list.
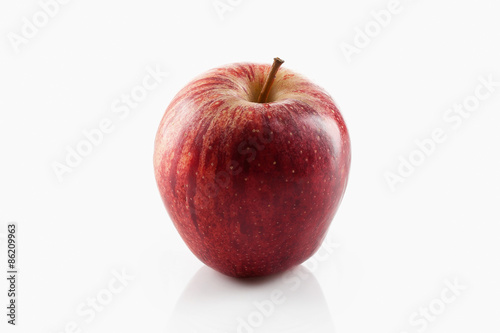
[(264, 93)]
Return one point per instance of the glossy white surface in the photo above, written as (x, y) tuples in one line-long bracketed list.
[(97, 250)]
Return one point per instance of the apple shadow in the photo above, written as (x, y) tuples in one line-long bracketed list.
[(289, 302)]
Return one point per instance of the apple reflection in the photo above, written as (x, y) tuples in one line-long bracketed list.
[(289, 302)]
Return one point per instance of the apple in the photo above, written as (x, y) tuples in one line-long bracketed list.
[(252, 162)]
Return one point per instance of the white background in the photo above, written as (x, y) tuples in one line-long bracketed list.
[(394, 252)]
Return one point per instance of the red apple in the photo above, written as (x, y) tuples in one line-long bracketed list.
[(252, 163)]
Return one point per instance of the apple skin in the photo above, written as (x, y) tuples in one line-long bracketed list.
[(252, 187)]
